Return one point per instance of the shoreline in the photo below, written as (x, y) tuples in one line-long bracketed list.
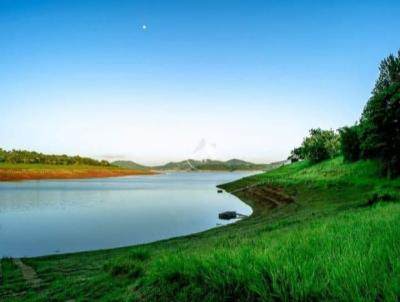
[(58, 172)]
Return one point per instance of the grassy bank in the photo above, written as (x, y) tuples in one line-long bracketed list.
[(324, 232), (9, 172)]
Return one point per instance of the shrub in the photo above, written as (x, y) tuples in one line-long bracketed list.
[(320, 145), (296, 154), (389, 73)]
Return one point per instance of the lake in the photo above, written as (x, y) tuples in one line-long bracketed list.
[(59, 216)]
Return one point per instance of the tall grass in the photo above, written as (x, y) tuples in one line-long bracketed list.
[(351, 257)]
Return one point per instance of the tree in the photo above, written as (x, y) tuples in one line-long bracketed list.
[(380, 120), (380, 128), (2, 155), (389, 73), (31, 157), (350, 143), (320, 145)]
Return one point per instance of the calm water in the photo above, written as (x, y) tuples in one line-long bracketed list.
[(58, 216)]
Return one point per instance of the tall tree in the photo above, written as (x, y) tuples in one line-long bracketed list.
[(389, 73), (380, 120), (380, 128)]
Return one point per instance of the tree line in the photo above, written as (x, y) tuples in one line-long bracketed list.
[(375, 136), (32, 157)]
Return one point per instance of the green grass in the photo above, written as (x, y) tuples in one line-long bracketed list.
[(353, 256), (335, 242)]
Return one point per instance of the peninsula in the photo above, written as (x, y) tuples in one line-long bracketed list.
[(29, 165)]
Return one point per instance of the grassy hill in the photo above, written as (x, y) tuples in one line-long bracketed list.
[(130, 165), (328, 231)]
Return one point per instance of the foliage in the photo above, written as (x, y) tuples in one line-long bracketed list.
[(389, 73), (380, 120), (377, 136), (32, 157), (296, 154), (2, 155), (350, 143), (319, 146), (380, 128)]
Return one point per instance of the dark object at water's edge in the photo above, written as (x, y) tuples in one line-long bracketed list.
[(228, 215)]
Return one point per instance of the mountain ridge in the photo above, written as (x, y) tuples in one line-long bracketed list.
[(233, 164)]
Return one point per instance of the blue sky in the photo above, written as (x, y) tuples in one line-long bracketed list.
[(250, 77)]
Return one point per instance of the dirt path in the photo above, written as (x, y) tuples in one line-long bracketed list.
[(28, 273)]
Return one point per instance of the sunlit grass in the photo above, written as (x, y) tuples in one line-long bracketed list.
[(352, 256)]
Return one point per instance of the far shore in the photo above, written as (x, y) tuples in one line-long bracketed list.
[(16, 172)]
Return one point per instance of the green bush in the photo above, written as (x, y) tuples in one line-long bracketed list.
[(296, 154), (320, 145)]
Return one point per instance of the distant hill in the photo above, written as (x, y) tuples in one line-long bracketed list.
[(31, 165), (202, 165), (215, 165), (130, 165)]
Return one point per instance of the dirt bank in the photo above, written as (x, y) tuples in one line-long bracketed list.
[(13, 174)]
